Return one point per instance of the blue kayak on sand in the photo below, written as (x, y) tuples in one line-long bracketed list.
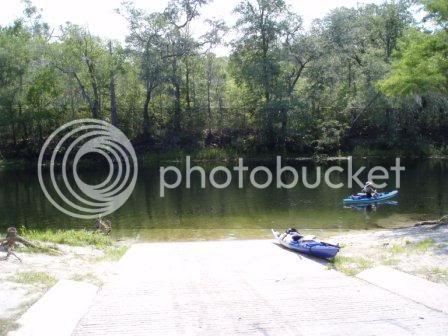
[(308, 246), (362, 198)]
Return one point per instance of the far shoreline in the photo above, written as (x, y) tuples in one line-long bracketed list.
[(8, 165)]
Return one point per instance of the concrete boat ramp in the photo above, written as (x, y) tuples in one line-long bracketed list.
[(250, 288)]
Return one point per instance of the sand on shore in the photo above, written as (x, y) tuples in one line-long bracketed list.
[(418, 250)]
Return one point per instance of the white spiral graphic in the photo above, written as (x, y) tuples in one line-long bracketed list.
[(71, 142)]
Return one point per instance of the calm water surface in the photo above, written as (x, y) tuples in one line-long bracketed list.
[(233, 212)]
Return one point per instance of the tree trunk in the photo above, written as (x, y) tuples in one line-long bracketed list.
[(209, 107), (209, 87), (92, 104), (146, 122), (187, 87), (284, 116), (95, 109), (269, 131), (113, 98), (13, 124), (41, 133), (12, 238), (177, 111), (96, 106), (221, 112), (349, 75), (21, 119)]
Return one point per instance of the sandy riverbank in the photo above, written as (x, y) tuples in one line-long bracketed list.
[(420, 250), (23, 283)]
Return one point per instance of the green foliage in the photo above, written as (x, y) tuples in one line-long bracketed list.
[(34, 278), (350, 265), (368, 74), (332, 133), (412, 247), (397, 249), (113, 253), (424, 245), (68, 237), (421, 63), (421, 66), (89, 278), (437, 274), (438, 11), (268, 59), (441, 151)]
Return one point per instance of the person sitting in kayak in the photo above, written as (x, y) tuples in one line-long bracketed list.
[(295, 236), (292, 234), (287, 232), (369, 190)]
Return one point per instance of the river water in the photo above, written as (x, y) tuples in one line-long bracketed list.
[(198, 213)]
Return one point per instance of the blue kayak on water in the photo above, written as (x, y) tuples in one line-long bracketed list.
[(308, 246), (362, 198)]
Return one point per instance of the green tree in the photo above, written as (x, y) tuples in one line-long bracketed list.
[(421, 66), (83, 57), (421, 63), (264, 26)]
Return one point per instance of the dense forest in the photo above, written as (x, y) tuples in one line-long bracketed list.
[(371, 77)]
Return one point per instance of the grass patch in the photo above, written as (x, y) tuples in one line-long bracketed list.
[(7, 325), (10, 323), (438, 274), (350, 265), (420, 246), (33, 278), (88, 277), (68, 237), (113, 253), (49, 250), (397, 249), (389, 261), (424, 245)]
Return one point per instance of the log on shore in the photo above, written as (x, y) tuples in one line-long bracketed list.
[(434, 223)]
